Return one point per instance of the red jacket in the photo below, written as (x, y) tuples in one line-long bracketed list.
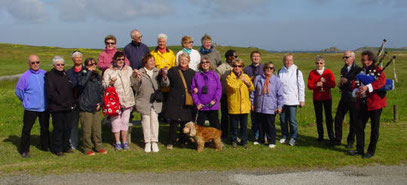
[(373, 99), (315, 77)]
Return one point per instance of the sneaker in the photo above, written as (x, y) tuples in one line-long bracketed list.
[(102, 151), (125, 146), (25, 155), (256, 143), (238, 140), (118, 146), (147, 148), (155, 147), (272, 145), (234, 145), (245, 146), (69, 151), (282, 141), (292, 142), (90, 153), (60, 154), (170, 147)]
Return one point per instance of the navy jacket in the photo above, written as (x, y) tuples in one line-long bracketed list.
[(253, 71), (135, 54)]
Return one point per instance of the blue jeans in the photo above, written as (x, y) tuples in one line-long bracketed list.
[(289, 114), (234, 121)]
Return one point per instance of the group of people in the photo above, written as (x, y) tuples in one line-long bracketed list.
[(190, 86)]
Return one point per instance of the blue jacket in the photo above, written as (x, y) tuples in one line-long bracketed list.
[(267, 103), (135, 54), (30, 90), (73, 77)]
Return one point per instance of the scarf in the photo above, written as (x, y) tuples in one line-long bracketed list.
[(162, 50), (266, 89), (188, 51), (320, 72), (205, 51)]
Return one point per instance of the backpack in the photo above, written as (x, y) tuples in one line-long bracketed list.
[(111, 106)]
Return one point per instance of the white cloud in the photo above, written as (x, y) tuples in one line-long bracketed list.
[(108, 10), (25, 10), (218, 7)]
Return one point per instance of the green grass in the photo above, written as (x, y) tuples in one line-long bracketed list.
[(309, 154)]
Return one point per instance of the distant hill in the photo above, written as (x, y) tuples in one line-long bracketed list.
[(332, 49)]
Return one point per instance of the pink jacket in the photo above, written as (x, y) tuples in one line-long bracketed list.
[(105, 59)]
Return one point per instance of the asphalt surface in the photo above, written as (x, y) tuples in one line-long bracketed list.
[(347, 175)]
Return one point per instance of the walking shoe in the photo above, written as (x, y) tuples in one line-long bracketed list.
[(349, 146), (367, 156), (102, 151), (25, 155), (60, 154), (69, 151), (355, 152), (282, 140), (256, 143), (90, 153), (125, 146), (118, 146), (147, 148), (234, 145), (245, 146), (155, 147), (272, 145), (292, 142), (170, 147)]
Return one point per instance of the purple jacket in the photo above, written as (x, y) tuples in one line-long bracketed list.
[(211, 80), (267, 103), (135, 53), (30, 90)]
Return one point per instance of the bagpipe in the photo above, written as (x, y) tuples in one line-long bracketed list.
[(373, 73)]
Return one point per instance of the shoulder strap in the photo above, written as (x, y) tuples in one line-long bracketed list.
[(183, 80), (152, 84)]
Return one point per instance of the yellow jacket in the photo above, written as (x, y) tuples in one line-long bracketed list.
[(238, 94), (163, 59)]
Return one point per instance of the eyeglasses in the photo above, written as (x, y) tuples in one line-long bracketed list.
[(205, 62), (36, 62), (346, 57), (91, 64), (120, 59), (235, 56), (238, 66), (141, 36), (110, 43), (319, 63), (270, 68), (190, 42), (60, 64)]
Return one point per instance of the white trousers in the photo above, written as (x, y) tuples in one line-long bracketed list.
[(150, 126)]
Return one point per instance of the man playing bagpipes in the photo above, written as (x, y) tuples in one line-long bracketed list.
[(370, 100)]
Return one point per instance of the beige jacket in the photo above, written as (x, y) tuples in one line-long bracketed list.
[(123, 84), (223, 71)]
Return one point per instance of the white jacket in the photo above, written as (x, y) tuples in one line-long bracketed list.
[(293, 89), (123, 84), (195, 59)]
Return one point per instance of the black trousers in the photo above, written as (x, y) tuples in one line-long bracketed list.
[(267, 125), (211, 115), (343, 107), (28, 121), (62, 122), (362, 117), (173, 131), (225, 121), (318, 107)]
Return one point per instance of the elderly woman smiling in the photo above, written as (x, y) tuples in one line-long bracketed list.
[(60, 104)]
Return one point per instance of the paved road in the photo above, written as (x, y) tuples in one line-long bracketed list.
[(347, 175)]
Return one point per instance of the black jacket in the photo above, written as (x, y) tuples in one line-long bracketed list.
[(59, 91), (73, 76), (91, 91), (346, 89), (175, 107)]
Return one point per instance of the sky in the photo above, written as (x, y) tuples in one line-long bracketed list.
[(268, 24)]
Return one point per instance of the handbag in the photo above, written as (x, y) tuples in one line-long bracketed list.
[(188, 97)]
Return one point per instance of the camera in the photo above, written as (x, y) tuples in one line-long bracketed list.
[(157, 96), (204, 90)]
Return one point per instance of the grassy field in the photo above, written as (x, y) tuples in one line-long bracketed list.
[(309, 154)]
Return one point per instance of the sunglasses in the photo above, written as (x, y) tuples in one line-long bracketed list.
[(271, 68), (92, 64), (237, 66), (190, 42), (235, 56), (110, 43), (141, 36), (346, 57), (120, 59), (205, 62), (319, 63), (36, 62), (60, 64)]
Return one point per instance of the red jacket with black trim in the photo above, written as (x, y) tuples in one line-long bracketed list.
[(318, 93), (375, 100)]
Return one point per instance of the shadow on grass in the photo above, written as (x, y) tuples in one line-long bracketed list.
[(15, 140)]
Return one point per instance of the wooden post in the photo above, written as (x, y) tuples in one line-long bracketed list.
[(395, 113)]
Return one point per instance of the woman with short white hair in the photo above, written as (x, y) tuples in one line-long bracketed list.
[(163, 56), (60, 105)]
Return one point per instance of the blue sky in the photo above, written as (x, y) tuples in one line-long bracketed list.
[(267, 24)]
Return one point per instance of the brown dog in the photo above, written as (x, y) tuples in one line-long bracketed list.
[(203, 134)]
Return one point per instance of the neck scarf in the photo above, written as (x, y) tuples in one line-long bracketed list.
[(162, 50), (205, 51), (266, 89), (188, 51), (320, 72)]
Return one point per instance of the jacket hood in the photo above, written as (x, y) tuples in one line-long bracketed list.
[(291, 68)]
